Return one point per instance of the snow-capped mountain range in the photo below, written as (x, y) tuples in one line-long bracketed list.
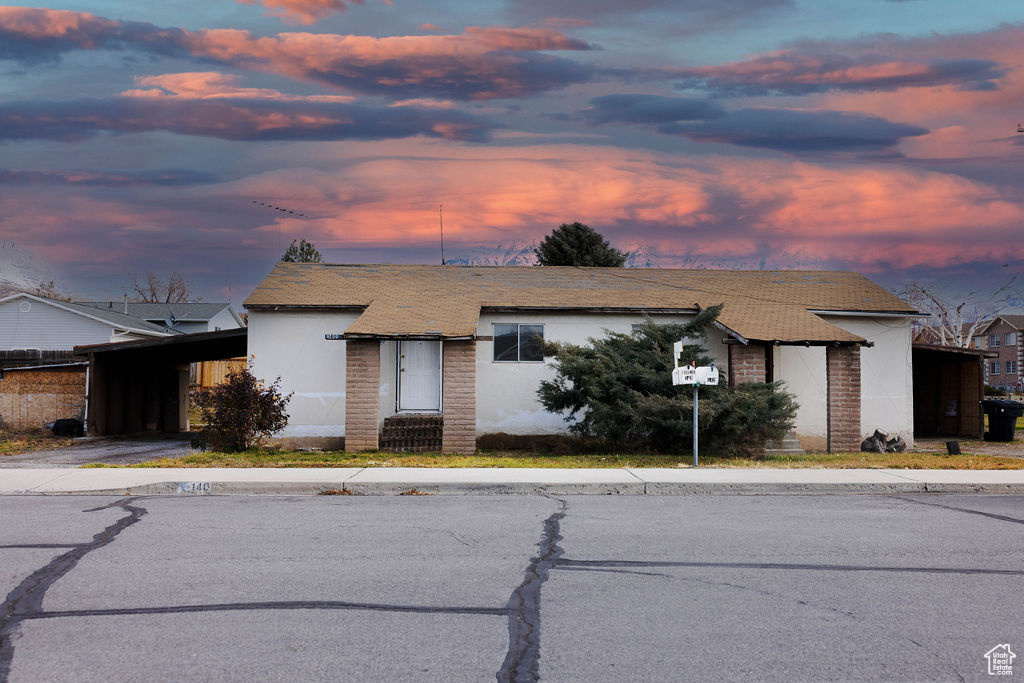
[(521, 253)]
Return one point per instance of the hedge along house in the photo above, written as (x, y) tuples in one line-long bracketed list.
[(367, 349)]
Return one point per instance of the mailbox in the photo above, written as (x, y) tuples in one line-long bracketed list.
[(707, 374)]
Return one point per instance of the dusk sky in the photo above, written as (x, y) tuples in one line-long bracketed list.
[(870, 135)]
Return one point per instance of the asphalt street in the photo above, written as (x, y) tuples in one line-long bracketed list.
[(808, 588)]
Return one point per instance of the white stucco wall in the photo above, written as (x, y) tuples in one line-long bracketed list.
[(506, 393), (292, 345), (803, 371), (886, 377), (886, 374)]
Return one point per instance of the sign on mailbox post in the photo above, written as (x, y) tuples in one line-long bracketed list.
[(691, 374)]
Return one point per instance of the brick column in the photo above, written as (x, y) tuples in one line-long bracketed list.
[(746, 364), (842, 370), (459, 397), (362, 394)]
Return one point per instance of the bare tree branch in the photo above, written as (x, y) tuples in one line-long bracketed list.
[(151, 289), (955, 319)]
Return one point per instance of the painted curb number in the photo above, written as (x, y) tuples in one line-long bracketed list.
[(194, 487)]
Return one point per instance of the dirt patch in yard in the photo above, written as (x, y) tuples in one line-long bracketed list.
[(1002, 449)]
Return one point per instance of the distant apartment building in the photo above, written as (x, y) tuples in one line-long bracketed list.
[(1005, 336)]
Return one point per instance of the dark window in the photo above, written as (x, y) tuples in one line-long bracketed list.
[(506, 342), (1011, 367), (993, 340), (515, 342), (993, 368)]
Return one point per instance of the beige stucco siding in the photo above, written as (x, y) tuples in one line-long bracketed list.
[(292, 345), (886, 379), (507, 392), (886, 374)]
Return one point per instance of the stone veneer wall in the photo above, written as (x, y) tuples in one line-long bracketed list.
[(362, 394), (842, 370), (459, 397)]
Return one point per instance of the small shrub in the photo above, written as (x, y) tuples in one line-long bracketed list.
[(242, 412), (994, 391)]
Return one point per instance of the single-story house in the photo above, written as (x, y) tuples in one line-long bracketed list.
[(365, 346)]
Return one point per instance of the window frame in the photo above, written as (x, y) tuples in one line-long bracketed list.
[(1010, 339), (995, 340), (994, 367), (519, 342), (1011, 367)]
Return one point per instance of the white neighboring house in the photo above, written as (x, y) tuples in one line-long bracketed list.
[(362, 346), (187, 318), (28, 321)]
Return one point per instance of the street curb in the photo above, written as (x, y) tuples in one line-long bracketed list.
[(208, 488)]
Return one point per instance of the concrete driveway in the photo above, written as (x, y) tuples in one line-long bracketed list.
[(108, 451)]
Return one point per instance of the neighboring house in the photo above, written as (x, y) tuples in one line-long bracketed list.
[(39, 335), (1005, 336), (32, 322), (363, 346), (187, 318)]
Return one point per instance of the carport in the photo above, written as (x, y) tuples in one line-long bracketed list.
[(949, 384), (142, 386)]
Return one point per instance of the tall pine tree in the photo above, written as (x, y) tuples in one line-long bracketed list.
[(576, 244)]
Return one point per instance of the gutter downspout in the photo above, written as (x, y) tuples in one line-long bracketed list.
[(85, 417)]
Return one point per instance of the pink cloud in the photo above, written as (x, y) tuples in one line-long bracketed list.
[(853, 216), (793, 72), (383, 196), (80, 27), (215, 85), (480, 63), (304, 11)]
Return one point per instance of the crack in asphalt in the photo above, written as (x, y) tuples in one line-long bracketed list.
[(250, 606), (522, 661), (577, 564), (27, 597), (44, 546), (953, 508)]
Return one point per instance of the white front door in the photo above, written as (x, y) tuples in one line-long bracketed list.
[(419, 375)]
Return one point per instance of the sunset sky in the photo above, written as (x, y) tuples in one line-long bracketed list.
[(870, 135)]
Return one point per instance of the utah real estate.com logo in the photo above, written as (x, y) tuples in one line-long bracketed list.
[(1000, 660)]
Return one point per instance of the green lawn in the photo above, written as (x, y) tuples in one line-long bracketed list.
[(280, 458)]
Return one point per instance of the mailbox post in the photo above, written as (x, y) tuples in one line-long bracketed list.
[(691, 374)]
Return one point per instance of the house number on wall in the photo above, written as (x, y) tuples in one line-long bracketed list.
[(333, 337)]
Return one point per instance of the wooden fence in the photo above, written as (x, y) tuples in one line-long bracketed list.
[(210, 373)]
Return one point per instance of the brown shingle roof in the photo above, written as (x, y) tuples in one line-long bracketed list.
[(1016, 321), (445, 301)]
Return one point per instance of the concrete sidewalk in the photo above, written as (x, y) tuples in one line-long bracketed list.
[(396, 480)]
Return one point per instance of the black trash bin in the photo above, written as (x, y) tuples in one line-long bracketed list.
[(1002, 418)]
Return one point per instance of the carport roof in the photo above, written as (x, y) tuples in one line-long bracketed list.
[(182, 348)]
